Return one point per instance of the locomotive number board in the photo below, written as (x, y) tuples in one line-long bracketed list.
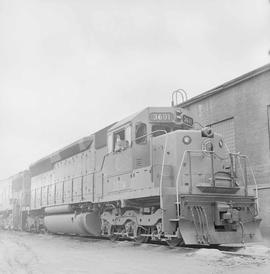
[(161, 117), (187, 120)]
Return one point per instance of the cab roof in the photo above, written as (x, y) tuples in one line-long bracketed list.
[(126, 120)]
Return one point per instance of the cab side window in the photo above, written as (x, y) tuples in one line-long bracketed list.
[(141, 131), (122, 139)]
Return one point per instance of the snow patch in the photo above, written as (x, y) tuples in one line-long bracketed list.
[(209, 254), (257, 250), (25, 253)]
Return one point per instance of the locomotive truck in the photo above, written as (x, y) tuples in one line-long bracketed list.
[(150, 176)]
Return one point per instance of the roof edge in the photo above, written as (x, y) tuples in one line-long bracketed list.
[(226, 85)]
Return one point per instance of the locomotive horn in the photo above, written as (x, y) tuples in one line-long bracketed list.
[(207, 132)]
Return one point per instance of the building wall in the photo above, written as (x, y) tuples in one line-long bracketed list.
[(247, 104)]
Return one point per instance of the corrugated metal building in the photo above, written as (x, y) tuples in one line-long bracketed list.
[(240, 111)]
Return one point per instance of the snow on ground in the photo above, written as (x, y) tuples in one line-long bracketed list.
[(22, 253)]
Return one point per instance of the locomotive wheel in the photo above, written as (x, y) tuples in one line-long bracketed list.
[(141, 239), (174, 242), (112, 236)]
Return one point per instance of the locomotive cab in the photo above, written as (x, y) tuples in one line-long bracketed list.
[(136, 132), (128, 165)]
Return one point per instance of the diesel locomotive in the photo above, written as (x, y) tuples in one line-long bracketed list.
[(150, 176)]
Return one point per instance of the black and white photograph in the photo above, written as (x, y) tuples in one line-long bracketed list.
[(134, 136)]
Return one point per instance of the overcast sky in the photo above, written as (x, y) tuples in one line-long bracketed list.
[(71, 67)]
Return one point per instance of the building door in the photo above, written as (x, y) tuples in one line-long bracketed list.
[(227, 130)]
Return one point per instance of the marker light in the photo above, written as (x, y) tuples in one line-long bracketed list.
[(187, 140), (178, 115), (220, 143)]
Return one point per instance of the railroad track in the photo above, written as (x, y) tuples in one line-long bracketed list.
[(234, 251)]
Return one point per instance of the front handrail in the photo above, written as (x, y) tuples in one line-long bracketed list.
[(236, 155), (177, 184), (255, 182), (161, 173)]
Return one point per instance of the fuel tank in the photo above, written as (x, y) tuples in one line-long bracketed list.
[(85, 224), (59, 209)]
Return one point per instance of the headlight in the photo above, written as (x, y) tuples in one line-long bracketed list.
[(209, 146), (187, 140)]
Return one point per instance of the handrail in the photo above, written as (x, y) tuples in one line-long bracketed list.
[(161, 173), (140, 137), (236, 155), (177, 185), (255, 182), (252, 174), (151, 133)]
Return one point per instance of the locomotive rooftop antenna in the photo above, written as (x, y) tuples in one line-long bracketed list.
[(175, 95)]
